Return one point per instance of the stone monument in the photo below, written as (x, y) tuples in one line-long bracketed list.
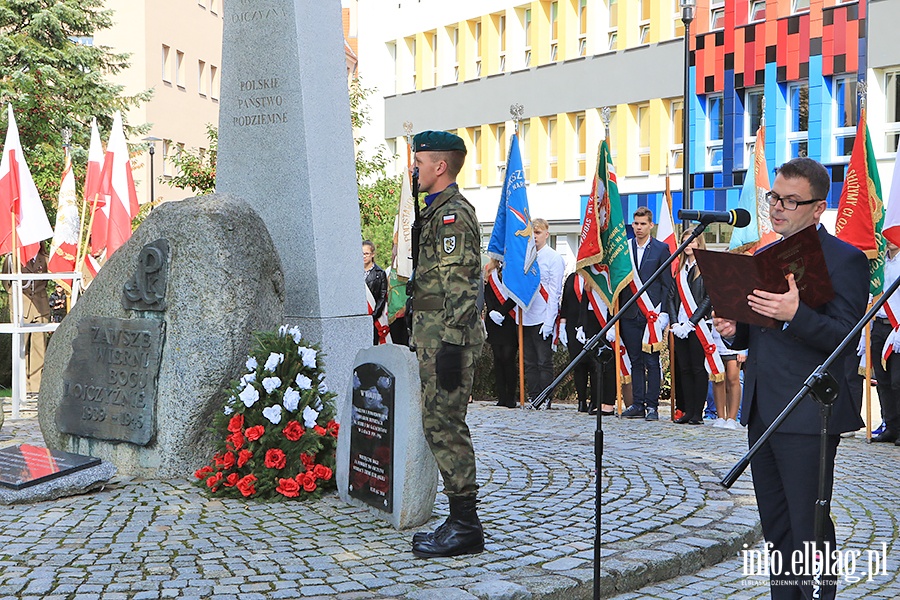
[(286, 147), (383, 461), (136, 370)]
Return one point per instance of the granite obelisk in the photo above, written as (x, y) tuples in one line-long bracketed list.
[(286, 147)]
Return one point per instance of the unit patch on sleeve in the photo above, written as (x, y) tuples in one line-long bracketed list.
[(449, 219), (449, 244)]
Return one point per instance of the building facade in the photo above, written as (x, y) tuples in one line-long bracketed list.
[(176, 50), (459, 66)]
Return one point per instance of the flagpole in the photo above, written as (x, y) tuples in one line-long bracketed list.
[(868, 383)]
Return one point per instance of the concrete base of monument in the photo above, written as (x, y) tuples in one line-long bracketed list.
[(383, 460)]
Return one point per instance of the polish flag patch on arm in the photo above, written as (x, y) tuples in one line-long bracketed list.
[(449, 219)]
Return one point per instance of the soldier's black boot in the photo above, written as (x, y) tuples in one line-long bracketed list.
[(421, 536), (460, 534)]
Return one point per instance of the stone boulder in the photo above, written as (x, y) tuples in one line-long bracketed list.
[(224, 282)]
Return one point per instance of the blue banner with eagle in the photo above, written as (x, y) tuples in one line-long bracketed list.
[(512, 240)]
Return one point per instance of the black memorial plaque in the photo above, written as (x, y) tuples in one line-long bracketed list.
[(25, 465), (109, 387), (372, 436)]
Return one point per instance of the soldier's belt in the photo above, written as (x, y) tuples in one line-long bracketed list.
[(428, 303)]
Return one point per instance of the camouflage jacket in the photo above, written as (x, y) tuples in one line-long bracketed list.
[(447, 278)]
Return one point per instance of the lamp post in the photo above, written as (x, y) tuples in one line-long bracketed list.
[(151, 148), (687, 15)]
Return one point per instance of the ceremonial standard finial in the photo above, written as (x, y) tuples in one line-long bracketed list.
[(408, 128), (516, 110), (861, 92), (66, 136), (762, 112), (605, 116)]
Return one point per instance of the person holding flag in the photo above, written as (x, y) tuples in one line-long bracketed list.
[(448, 334), (886, 341)]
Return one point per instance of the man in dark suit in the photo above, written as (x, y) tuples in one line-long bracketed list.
[(785, 470), (648, 254)]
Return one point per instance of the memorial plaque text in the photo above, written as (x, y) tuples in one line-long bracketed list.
[(109, 386), (372, 436), (26, 465)]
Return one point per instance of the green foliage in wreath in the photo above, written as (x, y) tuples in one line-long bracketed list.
[(277, 430)]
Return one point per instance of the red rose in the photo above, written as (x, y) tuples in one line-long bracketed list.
[(288, 488), (236, 423), (293, 431), (309, 482), (319, 429), (245, 485), (243, 457), (307, 460), (217, 458), (214, 480), (332, 428), (203, 472), (236, 439), (228, 460), (275, 459), (254, 433), (322, 472), (231, 480)]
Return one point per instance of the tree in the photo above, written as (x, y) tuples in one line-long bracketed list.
[(379, 194), (56, 78), (196, 169)]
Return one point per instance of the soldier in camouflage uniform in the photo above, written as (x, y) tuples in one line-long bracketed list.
[(448, 334)]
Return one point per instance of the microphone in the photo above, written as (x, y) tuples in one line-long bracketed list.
[(739, 217), (703, 310)]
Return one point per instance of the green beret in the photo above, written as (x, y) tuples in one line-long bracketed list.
[(438, 141)]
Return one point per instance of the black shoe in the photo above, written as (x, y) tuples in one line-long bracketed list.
[(421, 536), (652, 415), (897, 443), (461, 534), (634, 412), (888, 435), (582, 406), (683, 419), (696, 422)]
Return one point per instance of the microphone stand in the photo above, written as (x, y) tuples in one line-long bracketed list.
[(589, 347), (824, 389)]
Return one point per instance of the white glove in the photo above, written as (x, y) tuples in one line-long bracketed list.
[(663, 320), (682, 330), (496, 317), (563, 336), (611, 335), (861, 346), (579, 334), (546, 330), (894, 338)]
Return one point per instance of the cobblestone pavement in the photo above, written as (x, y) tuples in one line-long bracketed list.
[(669, 531)]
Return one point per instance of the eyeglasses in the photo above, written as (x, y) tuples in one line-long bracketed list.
[(788, 203)]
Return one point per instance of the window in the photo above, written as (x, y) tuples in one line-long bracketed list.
[(476, 147), (411, 44), (844, 115), (582, 27), (525, 148), (435, 65), (715, 133), (581, 144), (679, 23), (500, 158), (892, 110), (179, 69), (801, 6), (202, 86), (213, 82), (455, 37), (214, 6), (478, 48), (643, 123), (717, 14), (167, 158), (610, 133), (202, 3), (552, 154), (501, 30), (757, 10), (613, 24), (166, 64), (527, 37), (798, 119), (554, 30), (644, 21), (753, 114), (676, 158)]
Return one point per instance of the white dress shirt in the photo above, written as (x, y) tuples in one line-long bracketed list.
[(553, 269)]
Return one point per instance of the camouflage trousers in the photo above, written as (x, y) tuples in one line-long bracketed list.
[(444, 422)]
